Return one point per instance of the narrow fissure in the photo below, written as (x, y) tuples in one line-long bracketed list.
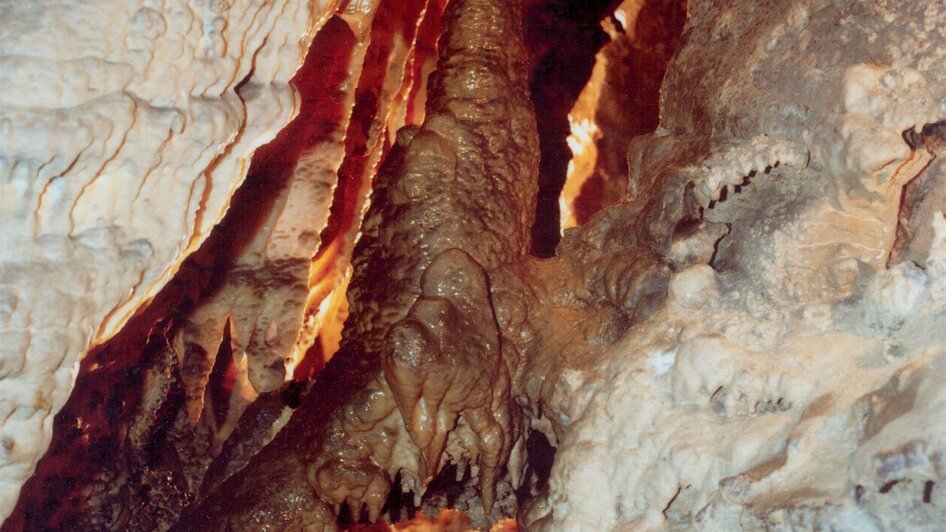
[(563, 37)]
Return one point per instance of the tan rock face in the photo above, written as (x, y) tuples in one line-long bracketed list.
[(263, 292), (776, 387), (126, 128)]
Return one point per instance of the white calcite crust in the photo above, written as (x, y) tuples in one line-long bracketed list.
[(796, 384), (124, 129)]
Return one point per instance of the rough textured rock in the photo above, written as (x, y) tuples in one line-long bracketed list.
[(232, 314), (619, 102), (127, 126), (434, 233), (788, 382), (751, 339), (261, 297), (682, 351)]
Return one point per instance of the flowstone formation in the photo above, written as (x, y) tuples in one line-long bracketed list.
[(126, 128), (746, 342), (751, 340), (422, 375), (154, 405)]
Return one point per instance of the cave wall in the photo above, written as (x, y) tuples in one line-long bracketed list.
[(247, 311), (749, 339), (791, 380), (620, 101), (127, 128)]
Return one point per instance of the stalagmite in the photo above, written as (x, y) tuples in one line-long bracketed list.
[(420, 302)]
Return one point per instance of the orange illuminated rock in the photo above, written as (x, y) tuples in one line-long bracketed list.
[(127, 127), (431, 237), (235, 311)]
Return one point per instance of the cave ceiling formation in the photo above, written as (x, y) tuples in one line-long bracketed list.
[(560, 265)]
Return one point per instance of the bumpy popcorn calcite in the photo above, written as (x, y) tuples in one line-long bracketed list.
[(126, 127), (791, 383)]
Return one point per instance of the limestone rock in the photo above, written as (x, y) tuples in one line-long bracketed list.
[(798, 395), (127, 126)]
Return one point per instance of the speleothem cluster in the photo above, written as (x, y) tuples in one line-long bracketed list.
[(669, 349), (751, 339), (423, 375), (448, 311)]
